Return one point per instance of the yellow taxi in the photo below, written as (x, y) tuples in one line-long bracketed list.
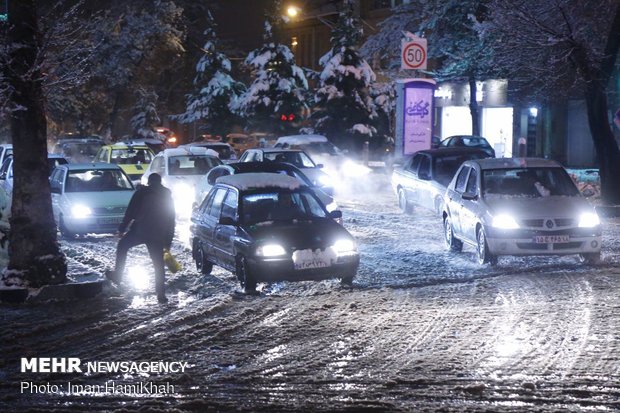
[(133, 159)]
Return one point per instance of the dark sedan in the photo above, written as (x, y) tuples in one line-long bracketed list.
[(468, 141), (270, 227), (423, 178)]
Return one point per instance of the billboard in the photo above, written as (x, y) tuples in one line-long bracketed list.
[(417, 115)]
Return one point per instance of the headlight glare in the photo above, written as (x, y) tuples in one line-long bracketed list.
[(589, 220), (331, 207), (270, 250), (505, 221), (81, 211), (324, 180), (354, 170), (344, 246)]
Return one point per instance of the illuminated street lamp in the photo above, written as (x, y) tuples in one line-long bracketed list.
[(293, 11)]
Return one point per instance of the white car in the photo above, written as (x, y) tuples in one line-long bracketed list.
[(519, 206), (295, 157), (336, 164), (6, 170), (180, 169), (89, 198), (225, 152)]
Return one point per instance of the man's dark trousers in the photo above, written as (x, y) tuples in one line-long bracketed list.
[(156, 251)]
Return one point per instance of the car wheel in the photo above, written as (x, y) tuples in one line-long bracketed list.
[(403, 203), (452, 243), (63, 229), (244, 275), (482, 249), (347, 279), (203, 265), (590, 258)]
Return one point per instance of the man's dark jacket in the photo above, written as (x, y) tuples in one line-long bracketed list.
[(152, 211)]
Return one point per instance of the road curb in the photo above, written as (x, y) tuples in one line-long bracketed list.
[(60, 292), (608, 211)]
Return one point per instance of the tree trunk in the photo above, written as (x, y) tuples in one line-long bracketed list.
[(607, 152), (34, 253), (473, 107)]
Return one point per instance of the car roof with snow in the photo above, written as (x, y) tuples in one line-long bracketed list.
[(512, 163), (301, 139), (188, 151), (205, 144), (260, 180), (248, 167), (268, 150), (123, 145), (92, 165)]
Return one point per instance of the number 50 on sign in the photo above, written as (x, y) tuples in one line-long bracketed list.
[(413, 53)]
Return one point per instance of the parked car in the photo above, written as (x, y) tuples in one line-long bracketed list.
[(6, 170), (133, 159), (154, 144), (89, 198), (241, 142), (336, 164), (6, 149), (270, 227), (78, 150), (468, 141), (423, 178), (224, 151), (181, 169), (207, 182), (519, 206), (295, 157)]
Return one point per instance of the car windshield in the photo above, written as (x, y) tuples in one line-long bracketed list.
[(191, 164), (84, 149), (223, 151), (280, 206), (132, 156), (320, 147), (528, 182), (97, 180), (445, 167), (299, 159), (471, 141)]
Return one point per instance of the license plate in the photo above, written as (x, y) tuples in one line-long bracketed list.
[(551, 239), (114, 220), (309, 259)]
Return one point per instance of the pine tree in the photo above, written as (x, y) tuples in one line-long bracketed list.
[(276, 101), (344, 108), (216, 90), (145, 117)]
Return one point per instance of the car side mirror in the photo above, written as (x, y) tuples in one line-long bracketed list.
[(335, 214), (3, 176), (468, 196), (320, 165), (227, 221)]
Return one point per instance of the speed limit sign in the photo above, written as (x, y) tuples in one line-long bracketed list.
[(413, 53)]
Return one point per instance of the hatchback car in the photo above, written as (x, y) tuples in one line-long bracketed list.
[(519, 206), (270, 227), (295, 157), (424, 177), (468, 141), (6, 170), (181, 169), (204, 185), (133, 159), (89, 198)]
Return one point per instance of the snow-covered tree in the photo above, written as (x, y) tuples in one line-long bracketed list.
[(384, 99), (145, 117), (559, 49), (344, 109), (450, 27), (215, 90), (276, 101)]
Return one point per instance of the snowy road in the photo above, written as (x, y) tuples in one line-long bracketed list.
[(421, 330)]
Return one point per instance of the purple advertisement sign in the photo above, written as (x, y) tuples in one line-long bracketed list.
[(418, 117)]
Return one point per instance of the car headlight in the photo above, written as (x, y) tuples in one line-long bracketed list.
[(183, 194), (505, 221), (352, 169), (270, 250), (80, 211), (331, 207), (589, 220), (344, 246), (324, 180)]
